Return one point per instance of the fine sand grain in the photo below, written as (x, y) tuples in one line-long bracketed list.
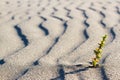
[(55, 39)]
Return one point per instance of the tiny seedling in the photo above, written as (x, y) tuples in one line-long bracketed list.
[(98, 52)]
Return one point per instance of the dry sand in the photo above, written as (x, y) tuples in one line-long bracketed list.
[(55, 39)]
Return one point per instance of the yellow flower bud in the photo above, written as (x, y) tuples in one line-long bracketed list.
[(98, 56), (95, 62), (100, 50)]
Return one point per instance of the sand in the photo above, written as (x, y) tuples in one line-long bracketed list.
[(55, 39)]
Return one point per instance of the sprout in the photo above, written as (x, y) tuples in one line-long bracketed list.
[(98, 52)]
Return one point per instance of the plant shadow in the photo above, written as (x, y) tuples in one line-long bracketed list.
[(62, 73)]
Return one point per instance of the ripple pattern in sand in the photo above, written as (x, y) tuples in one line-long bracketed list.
[(55, 39)]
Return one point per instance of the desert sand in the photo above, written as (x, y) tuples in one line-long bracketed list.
[(55, 39)]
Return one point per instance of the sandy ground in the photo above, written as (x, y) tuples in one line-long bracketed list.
[(55, 39)]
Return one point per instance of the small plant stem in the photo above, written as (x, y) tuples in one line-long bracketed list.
[(98, 52)]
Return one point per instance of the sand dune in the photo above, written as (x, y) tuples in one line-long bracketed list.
[(55, 39)]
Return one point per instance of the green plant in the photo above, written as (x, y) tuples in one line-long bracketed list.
[(98, 52)]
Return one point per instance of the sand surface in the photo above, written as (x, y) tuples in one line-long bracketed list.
[(55, 39)]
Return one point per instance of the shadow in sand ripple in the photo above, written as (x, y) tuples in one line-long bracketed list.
[(46, 32), (113, 34), (21, 35), (61, 74), (2, 61)]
